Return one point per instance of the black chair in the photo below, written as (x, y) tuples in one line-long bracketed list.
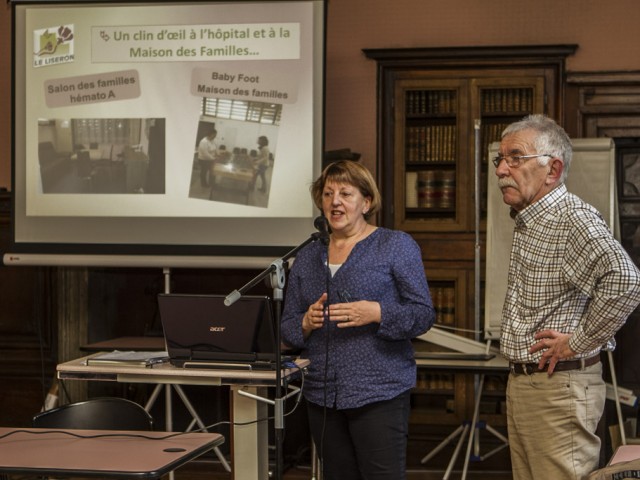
[(84, 166), (104, 413)]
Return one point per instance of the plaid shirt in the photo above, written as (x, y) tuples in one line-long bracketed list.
[(566, 273)]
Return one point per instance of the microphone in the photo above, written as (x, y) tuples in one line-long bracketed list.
[(232, 298), (321, 224)]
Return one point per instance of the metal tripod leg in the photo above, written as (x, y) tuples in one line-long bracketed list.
[(474, 434), (192, 412), (456, 452), (469, 431), (460, 430)]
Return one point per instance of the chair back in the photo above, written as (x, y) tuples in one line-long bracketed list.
[(105, 413), (84, 167)]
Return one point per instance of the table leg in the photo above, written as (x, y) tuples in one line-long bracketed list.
[(249, 435), (169, 414)]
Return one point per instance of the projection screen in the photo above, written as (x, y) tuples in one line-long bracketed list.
[(112, 102)]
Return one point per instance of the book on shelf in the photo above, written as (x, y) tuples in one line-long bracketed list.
[(443, 299), (427, 189), (436, 188), (489, 133), (129, 358), (430, 102), (411, 190), (448, 188), (504, 100), (430, 144), (448, 306)]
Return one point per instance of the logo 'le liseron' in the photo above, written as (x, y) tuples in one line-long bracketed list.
[(53, 45)]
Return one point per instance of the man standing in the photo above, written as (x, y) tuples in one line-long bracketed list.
[(571, 286), (207, 149), (262, 162)]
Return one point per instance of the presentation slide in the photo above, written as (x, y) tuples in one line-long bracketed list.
[(184, 128)]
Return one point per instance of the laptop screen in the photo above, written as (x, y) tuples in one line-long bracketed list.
[(203, 328)]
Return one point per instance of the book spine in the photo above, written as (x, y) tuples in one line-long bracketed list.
[(411, 190), (448, 188)]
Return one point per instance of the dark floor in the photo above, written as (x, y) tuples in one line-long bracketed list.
[(300, 473), (496, 467)]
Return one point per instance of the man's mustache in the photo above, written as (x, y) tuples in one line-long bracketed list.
[(507, 182)]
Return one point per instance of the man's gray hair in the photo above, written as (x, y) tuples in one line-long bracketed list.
[(551, 139)]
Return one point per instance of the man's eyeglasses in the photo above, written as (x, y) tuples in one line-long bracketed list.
[(514, 161)]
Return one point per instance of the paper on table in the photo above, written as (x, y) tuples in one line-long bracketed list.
[(134, 358)]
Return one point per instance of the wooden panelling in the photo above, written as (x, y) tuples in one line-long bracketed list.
[(27, 336)]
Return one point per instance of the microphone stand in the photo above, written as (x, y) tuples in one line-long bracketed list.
[(315, 463), (276, 274)]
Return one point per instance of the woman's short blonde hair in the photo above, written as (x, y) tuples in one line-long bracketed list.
[(351, 173)]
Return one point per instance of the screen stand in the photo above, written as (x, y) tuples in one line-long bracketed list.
[(185, 400)]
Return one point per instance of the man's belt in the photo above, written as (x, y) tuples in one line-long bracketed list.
[(529, 368)]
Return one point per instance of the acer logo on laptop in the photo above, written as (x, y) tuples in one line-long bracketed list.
[(217, 329)]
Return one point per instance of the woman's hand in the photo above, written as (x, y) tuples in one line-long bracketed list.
[(355, 314), (314, 316)]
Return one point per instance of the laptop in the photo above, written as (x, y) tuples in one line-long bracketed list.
[(200, 331)]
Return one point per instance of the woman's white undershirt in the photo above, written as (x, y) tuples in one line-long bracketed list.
[(333, 267)]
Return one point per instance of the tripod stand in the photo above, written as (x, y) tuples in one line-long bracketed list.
[(185, 400), (471, 432)]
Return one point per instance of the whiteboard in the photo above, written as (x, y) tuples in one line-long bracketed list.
[(591, 177)]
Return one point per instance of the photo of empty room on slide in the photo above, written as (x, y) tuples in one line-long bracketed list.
[(102, 155)]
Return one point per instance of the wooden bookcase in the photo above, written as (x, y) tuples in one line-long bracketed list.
[(436, 172), (429, 103), (434, 397)]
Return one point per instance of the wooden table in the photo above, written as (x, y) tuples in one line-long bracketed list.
[(100, 453), (241, 179), (624, 453), (249, 432)]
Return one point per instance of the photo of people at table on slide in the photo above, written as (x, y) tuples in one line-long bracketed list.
[(234, 152)]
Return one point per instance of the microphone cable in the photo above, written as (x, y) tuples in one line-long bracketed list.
[(327, 326)]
